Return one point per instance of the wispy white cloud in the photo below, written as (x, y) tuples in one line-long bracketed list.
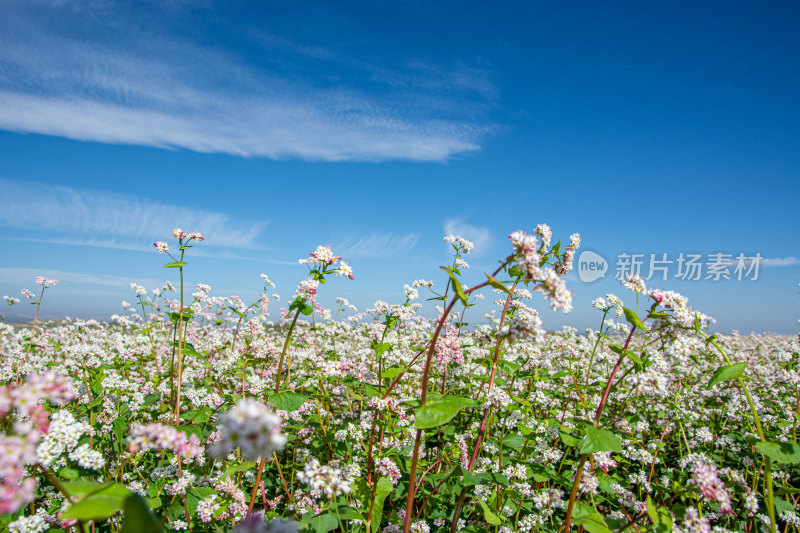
[(480, 236), (376, 245), (25, 277), (131, 86), (780, 261), (110, 220)]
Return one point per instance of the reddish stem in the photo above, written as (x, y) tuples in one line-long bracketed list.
[(598, 413)]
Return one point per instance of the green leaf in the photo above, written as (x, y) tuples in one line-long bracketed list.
[(175, 264), (138, 518), (458, 400), (569, 440), (780, 452), (392, 371), (68, 473), (348, 513), (470, 480), (380, 348), (600, 440), (637, 361), (153, 503), (725, 373), (652, 512), (490, 517), (382, 490), (241, 315), (297, 303), (631, 317), (435, 414), (514, 442), (80, 488), (235, 469), (459, 290), (100, 504), (497, 285), (198, 416), (782, 506), (593, 523), (288, 401), (322, 523)]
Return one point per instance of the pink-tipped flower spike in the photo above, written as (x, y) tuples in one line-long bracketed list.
[(161, 246), (46, 282), (28, 294), (523, 243), (546, 234), (196, 236)]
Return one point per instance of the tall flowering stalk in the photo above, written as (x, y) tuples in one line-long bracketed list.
[(321, 263), (529, 261), (184, 239), (769, 491), (45, 284), (11, 301)]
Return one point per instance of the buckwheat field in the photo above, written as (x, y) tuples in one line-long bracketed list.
[(194, 412)]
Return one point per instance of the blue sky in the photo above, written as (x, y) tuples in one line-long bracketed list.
[(378, 127)]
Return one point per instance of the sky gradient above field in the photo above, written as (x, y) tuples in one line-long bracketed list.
[(379, 127)]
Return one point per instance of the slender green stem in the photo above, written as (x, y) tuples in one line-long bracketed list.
[(767, 467), (181, 332), (35, 317), (579, 472), (283, 353)]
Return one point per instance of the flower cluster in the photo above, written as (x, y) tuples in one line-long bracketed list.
[(188, 236), (252, 427), (461, 245), (513, 394), (321, 256), (323, 477), (705, 478), (448, 348), (18, 450), (159, 436), (564, 265)]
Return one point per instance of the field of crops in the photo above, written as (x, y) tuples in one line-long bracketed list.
[(194, 412)]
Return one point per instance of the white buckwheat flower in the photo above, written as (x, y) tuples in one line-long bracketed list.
[(253, 427)]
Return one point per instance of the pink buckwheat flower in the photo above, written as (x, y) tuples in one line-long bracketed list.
[(161, 246), (523, 242), (546, 234), (46, 282), (448, 348), (388, 469), (322, 255), (344, 270), (705, 477), (28, 294), (178, 233), (158, 436), (307, 289)]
